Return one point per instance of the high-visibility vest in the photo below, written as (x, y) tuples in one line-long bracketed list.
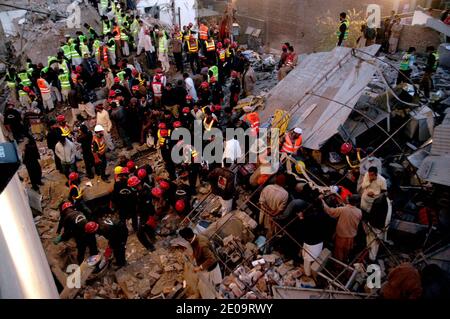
[(119, 17), (347, 24), (436, 61), (121, 75), (24, 80), (123, 35), (95, 47), (227, 52), (404, 64), (105, 53), (91, 33), (11, 81), (203, 32), (162, 44), (290, 59), (222, 55), (63, 66), (106, 27), (43, 86), (162, 139), (101, 145), (187, 36), (74, 53), (82, 37), (64, 80), (67, 50), (65, 130), (253, 120), (179, 36), (210, 46), (84, 50), (140, 79), (51, 59), (209, 125), (30, 70), (79, 192), (112, 48), (215, 71), (22, 93), (290, 147), (193, 45), (117, 29), (157, 88)]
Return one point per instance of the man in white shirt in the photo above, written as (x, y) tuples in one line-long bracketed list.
[(66, 152), (232, 150), (372, 186), (367, 162), (103, 119), (190, 87)]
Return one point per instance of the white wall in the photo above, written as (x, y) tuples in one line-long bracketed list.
[(187, 10)]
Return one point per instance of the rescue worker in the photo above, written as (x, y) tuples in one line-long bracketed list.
[(46, 95), (64, 128), (235, 89), (342, 33), (76, 195), (177, 48), (222, 62), (426, 84), (157, 88), (99, 152), (203, 36), (210, 48), (292, 142), (163, 51), (192, 45), (405, 69), (64, 80), (216, 91), (73, 223), (252, 119), (124, 199), (11, 82)]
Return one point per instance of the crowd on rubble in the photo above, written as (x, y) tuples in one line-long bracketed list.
[(147, 107)]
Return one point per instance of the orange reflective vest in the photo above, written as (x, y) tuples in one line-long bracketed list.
[(290, 147), (162, 139), (210, 46), (100, 143), (117, 29), (253, 120), (193, 45), (203, 32), (43, 86)]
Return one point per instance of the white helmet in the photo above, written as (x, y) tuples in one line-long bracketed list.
[(98, 128), (298, 130)]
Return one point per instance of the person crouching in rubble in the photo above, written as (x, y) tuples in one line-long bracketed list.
[(291, 143), (208, 268), (76, 195), (116, 233), (73, 224)]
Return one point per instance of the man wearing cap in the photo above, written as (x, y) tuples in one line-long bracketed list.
[(99, 151), (76, 195), (290, 146)]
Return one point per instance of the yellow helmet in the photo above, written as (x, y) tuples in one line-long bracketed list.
[(117, 170), (300, 167)]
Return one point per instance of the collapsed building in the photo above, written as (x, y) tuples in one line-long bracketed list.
[(335, 96)]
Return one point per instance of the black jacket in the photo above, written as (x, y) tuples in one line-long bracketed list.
[(222, 182)]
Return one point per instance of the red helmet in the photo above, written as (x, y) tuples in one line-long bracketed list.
[(226, 41), (131, 165), (151, 221), (234, 45), (188, 97), (116, 79), (164, 132), (186, 109), (133, 181), (346, 148), (112, 93), (60, 118), (73, 176), (204, 85), (164, 185), (176, 124), (78, 69), (157, 192), (213, 79), (65, 206), (142, 173), (217, 107), (26, 89), (125, 170), (135, 87), (234, 74), (158, 70), (134, 72), (284, 46), (162, 125), (180, 205), (91, 227), (219, 45)]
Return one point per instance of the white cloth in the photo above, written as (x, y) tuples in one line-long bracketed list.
[(190, 88), (232, 150), (103, 120), (227, 205), (147, 43), (89, 108), (66, 153), (311, 252), (207, 280), (376, 187)]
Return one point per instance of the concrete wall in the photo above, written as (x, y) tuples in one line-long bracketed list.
[(296, 21), (187, 10), (419, 37)]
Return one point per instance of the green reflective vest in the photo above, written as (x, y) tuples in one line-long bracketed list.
[(95, 47), (63, 65), (22, 93), (112, 45), (436, 61), (404, 64), (24, 80), (106, 27), (84, 50), (215, 70), (121, 75), (123, 35), (64, 79), (66, 49), (51, 59), (82, 37), (162, 44), (347, 24), (11, 81), (104, 4), (73, 52)]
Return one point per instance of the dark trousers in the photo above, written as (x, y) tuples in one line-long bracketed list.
[(193, 175), (150, 60), (89, 165), (80, 205), (87, 241), (125, 214), (124, 135), (194, 62), (146, 236), (403, 76), (100, 168), (221, 73), (68, 168), (179, 61), (119, 247), (57, 163), (35, 172)]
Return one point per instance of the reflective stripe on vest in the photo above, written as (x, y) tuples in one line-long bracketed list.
[(74, 53), (162, 44), (79, 192), (117, 29), (289, 147), (121, 75), (404, 65), (11, 82), (113, 47), (436, 61), (24, 80), (101, 146), (43, 86), (193, 46), (84, 50), (67, 50), (179, 36), (203, 33), (222, 55), (123, 35), (64, 80), (65, 130), (161, 138), (347, 24), (157, 88), (227, 52), (106, 27), (209, 125), (210, 46), (187, 36), (215, 70), (22, 93)]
